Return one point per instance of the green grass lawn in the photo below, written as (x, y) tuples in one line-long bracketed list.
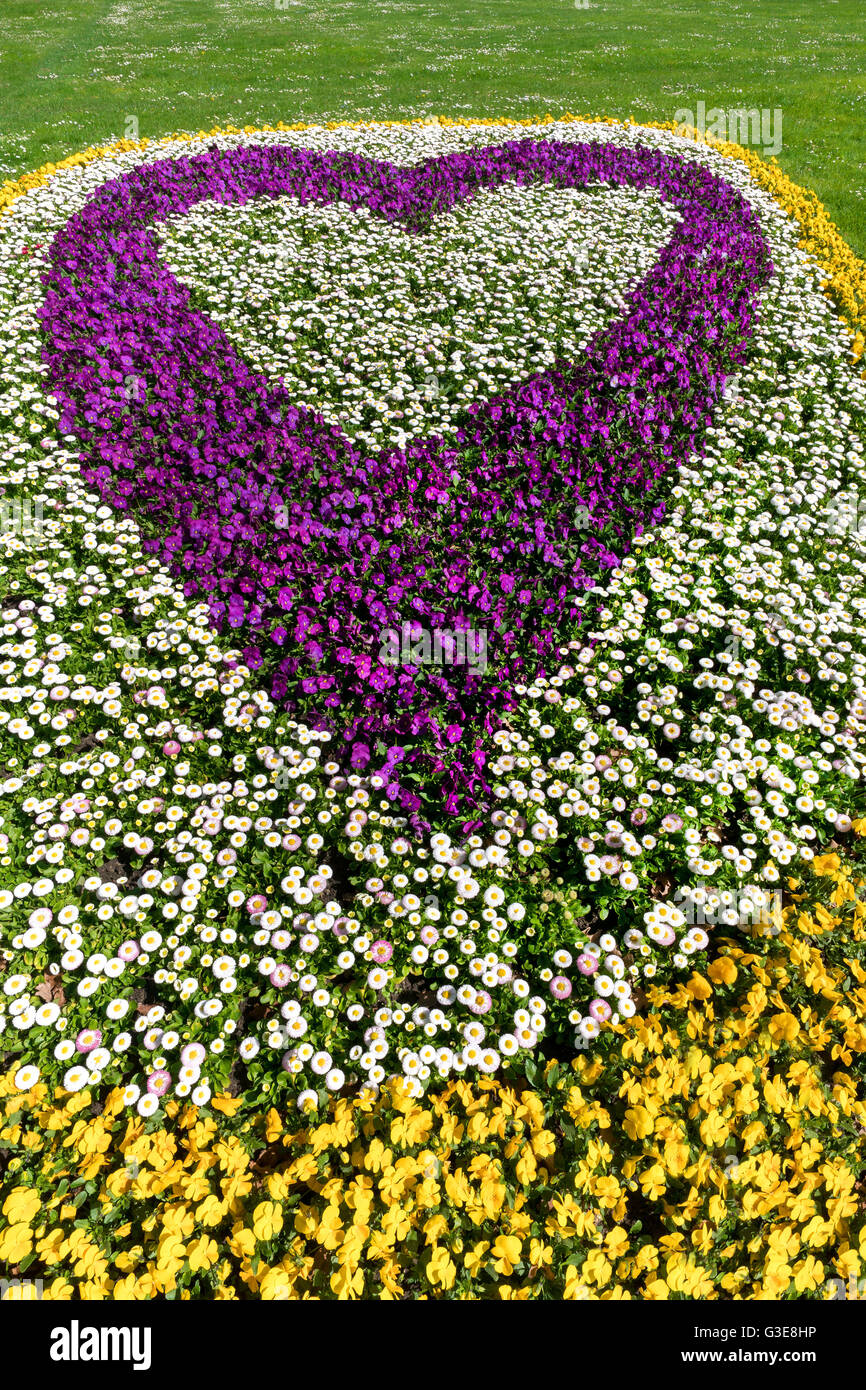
[(77, 71)]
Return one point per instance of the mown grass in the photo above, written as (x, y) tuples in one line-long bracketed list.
[(78, 72)]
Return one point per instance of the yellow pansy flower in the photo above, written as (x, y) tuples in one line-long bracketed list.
[(506, 1252), (348, 1284), (722, 971), (202, 1253), (16, 1242), (441, 1269), (22, 1204), (267, 1220), (638, 1122), (474, 1257)]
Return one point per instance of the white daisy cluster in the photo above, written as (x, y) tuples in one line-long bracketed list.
[(167, 962), (194, 895)]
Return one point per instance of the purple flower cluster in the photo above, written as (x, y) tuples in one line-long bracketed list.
[(474, 533)]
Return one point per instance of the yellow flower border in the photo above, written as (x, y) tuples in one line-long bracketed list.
[(846, 282)]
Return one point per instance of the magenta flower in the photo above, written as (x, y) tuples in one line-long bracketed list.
[(586, 964), (88, 1039), (381, 951), (158, 1082), (171, 748), (281, 977), (560, 987)]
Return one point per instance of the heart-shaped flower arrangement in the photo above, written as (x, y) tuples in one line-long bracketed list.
[(203, 932), (313, 549)]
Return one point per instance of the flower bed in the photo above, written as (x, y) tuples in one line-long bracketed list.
[(259, 874)]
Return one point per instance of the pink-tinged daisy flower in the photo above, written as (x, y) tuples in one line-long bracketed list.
[(587, 965), (158, 1083), (128, 950), (672, 823), (257, 903), (381, 951), (481, 1003), (281, 977), (600, 1010), (88, 1039), (560, 987), (193, 1055), (171, 748), (662, 934)]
